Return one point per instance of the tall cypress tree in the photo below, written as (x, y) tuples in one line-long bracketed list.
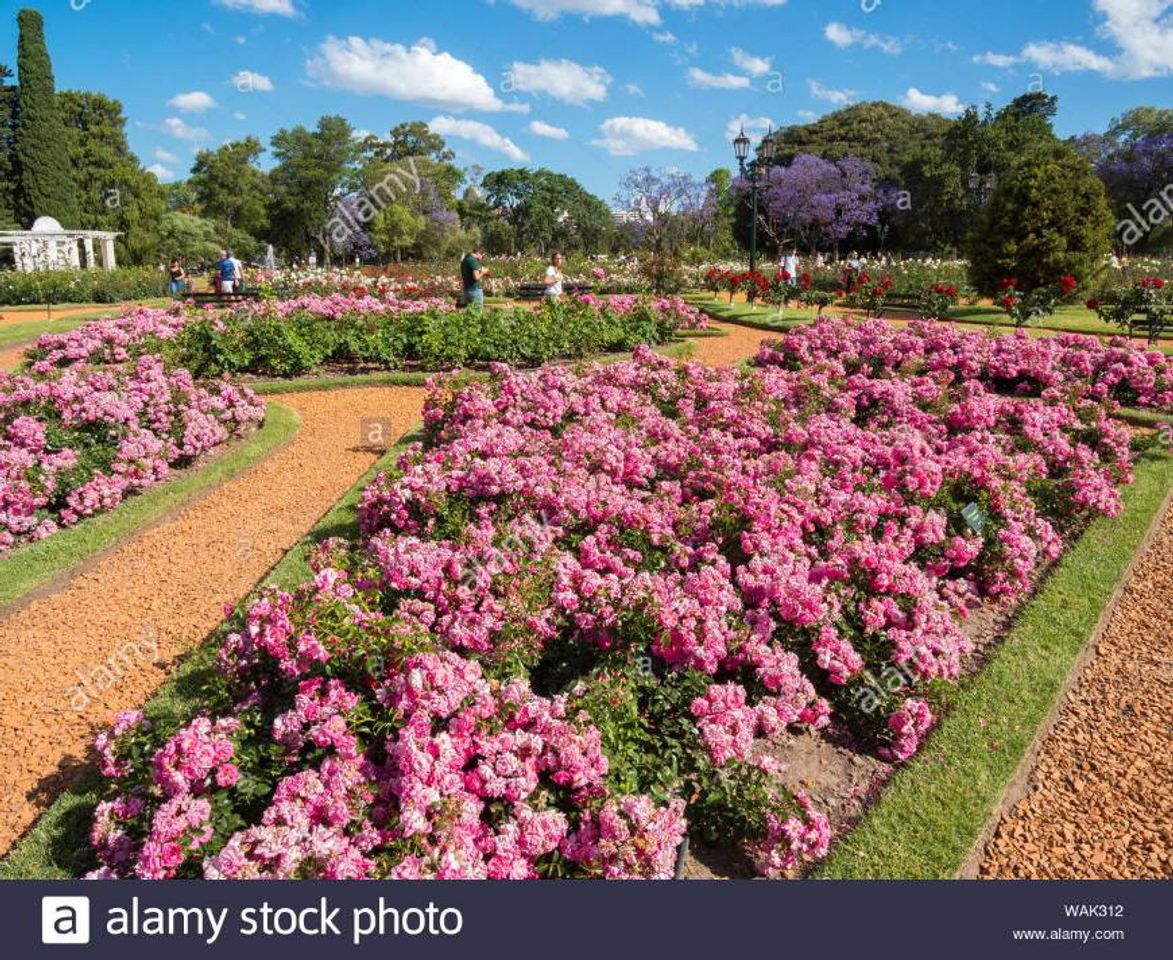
[(7, 148), (44, 187)]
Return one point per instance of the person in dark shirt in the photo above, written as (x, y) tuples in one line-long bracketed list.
[(472, 272)]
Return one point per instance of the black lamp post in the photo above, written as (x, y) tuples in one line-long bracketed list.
[(982, 186), (765, 155)]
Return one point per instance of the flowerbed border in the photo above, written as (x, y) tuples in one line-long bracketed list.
[(936, 813), (53, 848), (31, 567)]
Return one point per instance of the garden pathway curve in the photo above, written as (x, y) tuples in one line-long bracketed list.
[(167, 586)]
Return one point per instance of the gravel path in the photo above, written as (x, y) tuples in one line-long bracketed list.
[(11, 357), (741, 344), (119, 624), (1101, 805)]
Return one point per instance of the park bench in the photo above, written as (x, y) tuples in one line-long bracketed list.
[(535, 291), (223, 299), (901, 301), (1152, 323)]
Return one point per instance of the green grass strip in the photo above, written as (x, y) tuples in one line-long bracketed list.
[(57, 846), (32, 566), (933, 811)]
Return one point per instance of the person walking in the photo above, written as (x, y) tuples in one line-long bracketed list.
[(178, 278), (472, 274), (791, 264), (226, 273), (555, 279)]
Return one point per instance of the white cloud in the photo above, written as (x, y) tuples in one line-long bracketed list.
[(480, 133), (548, 130), (664, 36), (1142, 31), (1065, 58), (161, 172), (1000, 60), (808, 115), (625, 136), (177, 128), (283, 8), (166, 156), (838, 97), (843, 37), (239, 116), (748, 63), (417, 74), (563, 80), (945, 103), (990, 87), (643, 12), (634, 89), (248, 81), (753, 126), (716, 81), (194, 102)]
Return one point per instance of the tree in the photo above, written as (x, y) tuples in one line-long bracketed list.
[(8, 93), (191, 239), (720, 183), (113, 191), (230, 188), (43, 187), (396, 229), (665, 209), (817, 202), (314, 169), (1048, 217), (548, 210)]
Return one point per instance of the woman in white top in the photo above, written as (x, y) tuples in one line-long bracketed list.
[(554, 278)]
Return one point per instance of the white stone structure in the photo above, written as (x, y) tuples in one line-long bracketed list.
[(49, 246)]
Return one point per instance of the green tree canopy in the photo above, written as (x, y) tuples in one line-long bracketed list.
[(1048, 217), (44, 187), (114, 192), (548, 210), (7, 148), (314, 168), (230, 188)]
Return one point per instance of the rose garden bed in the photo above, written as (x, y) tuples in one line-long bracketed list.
[(584, 613)]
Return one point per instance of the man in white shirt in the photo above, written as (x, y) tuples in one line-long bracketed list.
[(554, 278), (791, 264)]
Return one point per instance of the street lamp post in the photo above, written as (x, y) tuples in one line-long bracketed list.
[(982, 186), (765, 155)]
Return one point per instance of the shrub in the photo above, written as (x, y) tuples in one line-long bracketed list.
[(80, 286)]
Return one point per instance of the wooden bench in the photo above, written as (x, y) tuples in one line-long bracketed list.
[(1152, 325), (536, 291), (901, 301), (223, 299)]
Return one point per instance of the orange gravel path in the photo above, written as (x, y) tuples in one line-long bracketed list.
[(741, 344), (167, 586), (11, 357), (1101, 805)]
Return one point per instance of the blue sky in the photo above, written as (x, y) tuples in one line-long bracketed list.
[(588, 87)]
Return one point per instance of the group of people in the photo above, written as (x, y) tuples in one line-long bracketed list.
[(791, 265), (227, 276), (473, 273)]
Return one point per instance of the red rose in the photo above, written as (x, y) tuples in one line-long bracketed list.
[(840, 294), (1093, 304), (1009, 283)]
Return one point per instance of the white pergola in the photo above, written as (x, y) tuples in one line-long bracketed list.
[(49, 246)]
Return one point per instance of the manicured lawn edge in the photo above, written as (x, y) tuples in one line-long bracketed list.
[(31, 567), (937, 809), (57, 846)]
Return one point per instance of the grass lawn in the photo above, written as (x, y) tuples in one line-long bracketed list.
[(57, 847), (32, 566), (27, 331), (930, 815)]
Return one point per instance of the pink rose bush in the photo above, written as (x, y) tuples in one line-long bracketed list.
[(77, 442), (583, 610)]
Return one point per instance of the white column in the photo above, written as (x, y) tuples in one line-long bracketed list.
[(108, 260), (72, 253), (87, 244)]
